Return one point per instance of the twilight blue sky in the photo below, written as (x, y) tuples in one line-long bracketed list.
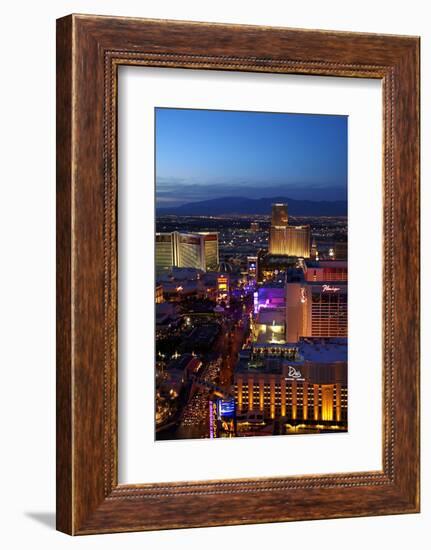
[(203, 154)]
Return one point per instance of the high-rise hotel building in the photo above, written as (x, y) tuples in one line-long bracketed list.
[(277, 232), (316, 310), (196, 250), (305, 384), (285, 239), (210, 249), (280, 217)]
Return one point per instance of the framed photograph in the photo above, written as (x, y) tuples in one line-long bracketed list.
[(237, 274)]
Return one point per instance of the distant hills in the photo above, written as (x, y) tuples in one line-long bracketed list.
[(245, 206)]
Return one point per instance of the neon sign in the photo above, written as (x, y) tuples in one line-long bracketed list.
[(303, 296), (329, 288), (225, 408), (294, 374)]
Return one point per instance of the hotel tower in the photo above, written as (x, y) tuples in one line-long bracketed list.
[(285, 239), (195, 250)]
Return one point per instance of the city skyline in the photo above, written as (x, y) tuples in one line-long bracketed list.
[(251, 274), (251, 326), (205, 154)]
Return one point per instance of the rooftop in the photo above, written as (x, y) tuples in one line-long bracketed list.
[(323, 350), (309, 351), (325, 263), (271, 316), (271, 285)]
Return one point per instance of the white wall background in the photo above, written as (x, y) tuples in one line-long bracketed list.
[(27, 280)]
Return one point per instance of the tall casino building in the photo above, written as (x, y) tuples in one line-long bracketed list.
[(316, 309), (285, 239), (195, 250), (303, 384)]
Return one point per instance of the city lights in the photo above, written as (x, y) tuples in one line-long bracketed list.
[(255, 344), (251, 274)]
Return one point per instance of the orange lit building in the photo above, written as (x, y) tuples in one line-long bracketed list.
[(303, 387), (159, 294), (285, 239), (316, 310)]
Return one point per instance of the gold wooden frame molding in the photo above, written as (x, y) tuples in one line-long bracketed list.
[(89, 51)]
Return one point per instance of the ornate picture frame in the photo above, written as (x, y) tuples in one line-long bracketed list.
[(89, 51)]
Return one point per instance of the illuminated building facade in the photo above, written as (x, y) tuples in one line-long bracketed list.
[(277, 240), (298, 241), (308, 389), (270, 326), (188, 251), (279, 216), (328, 310), (316, 310), (196, 250), (331, 270), (269, 307), (277, 232), (226, 417), (164, 251), (252, 266), (271, 296), (297, 312), (285, 239), (210, 248), (159, 294), (223, 288)]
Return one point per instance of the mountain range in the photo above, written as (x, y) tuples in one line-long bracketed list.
[(246, 206)]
